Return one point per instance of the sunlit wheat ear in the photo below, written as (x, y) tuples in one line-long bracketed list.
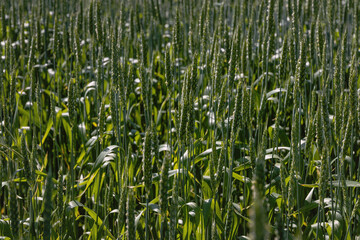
[(31, 55), (130, 215), (312, 40), (177, 33), (143, 48), (319, 37)]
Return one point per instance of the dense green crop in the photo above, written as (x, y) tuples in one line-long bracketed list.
[(179, 119)]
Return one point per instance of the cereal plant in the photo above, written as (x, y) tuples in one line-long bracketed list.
[(179, 119)]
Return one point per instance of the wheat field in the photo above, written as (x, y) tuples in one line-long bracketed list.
[(179, 119)]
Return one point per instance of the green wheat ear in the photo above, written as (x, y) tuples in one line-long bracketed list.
[(212, 163), (190, 124), (163, 197), (155, 145), (102, 121), (147, 168), (130, 220), (14, 220), (353, 79), (229, 218), (168, 69), (26, 161), (72, 102), (47, 206), (184, 111), (99, 30), (323, 175), (236, 124), (114, 110), (122, 203), (222, 99)]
